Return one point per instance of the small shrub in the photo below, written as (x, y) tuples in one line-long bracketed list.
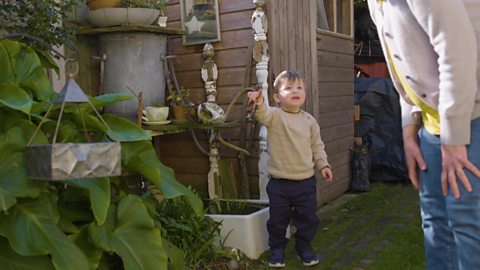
[(193, 234)]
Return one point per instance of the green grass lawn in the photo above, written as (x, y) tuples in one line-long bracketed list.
[(376, 230)]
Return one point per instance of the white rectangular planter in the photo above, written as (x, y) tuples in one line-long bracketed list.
[(248, 233)]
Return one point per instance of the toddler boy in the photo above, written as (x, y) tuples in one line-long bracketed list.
[(295, 149)]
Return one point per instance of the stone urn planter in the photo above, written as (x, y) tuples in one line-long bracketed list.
[(106, 17)]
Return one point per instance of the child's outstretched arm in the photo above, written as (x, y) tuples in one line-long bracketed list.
[(263, 113)]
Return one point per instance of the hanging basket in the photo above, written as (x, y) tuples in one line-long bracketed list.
[(66, 161)]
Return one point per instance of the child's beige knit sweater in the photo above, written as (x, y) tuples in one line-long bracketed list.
[(294, 143)]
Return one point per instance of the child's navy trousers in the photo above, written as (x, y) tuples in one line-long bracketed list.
[(296, 201)]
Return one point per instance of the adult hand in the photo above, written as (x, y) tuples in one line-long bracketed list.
[(413, 156), (454, 161)]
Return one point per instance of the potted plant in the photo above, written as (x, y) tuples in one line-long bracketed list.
[(150, 4), (96, 4), (180, 104), (127, 12)]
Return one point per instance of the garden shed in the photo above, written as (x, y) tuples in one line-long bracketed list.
[(295, 41), (313, 37)]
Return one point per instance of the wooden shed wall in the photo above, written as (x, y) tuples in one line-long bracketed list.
[(231, 54), (325, 59), (335, 99), (292, 42)]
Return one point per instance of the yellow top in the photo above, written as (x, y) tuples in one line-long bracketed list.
[(431, 118)]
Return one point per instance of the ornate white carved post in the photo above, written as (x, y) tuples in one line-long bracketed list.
[(209, 73), (260, 54), (209, 76)]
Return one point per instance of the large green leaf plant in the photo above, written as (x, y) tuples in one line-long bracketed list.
[(78, 224)]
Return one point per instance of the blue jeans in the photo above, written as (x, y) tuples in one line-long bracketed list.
[(451, 226)]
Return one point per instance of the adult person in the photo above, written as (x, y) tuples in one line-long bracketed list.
[(432, 52)]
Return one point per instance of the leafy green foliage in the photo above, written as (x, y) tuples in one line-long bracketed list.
[(140, 157), (22, 80), (229, 207), (10, 260), (176, 97), (79, 224), (130, 232), (13, 182), (156, 4), (193, 234), (36, 220), (124, 130), (44, 19), (99, 192)]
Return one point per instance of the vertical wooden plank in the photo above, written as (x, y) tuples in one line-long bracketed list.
[(275, 44), (352, 27), (299, 38), (274, 33), (346, 17), (335, 22), (307, 61), (283, 35), (269, 6), (313, 56), (291, 64)]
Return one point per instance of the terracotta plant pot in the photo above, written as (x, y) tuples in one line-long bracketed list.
[(179, 113), (94, 4)]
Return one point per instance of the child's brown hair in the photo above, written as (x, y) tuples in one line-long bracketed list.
[(286, 76)]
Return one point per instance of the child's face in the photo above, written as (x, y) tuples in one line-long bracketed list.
[(291, 95)]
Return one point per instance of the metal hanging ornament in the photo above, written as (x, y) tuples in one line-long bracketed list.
[(66, 161)]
